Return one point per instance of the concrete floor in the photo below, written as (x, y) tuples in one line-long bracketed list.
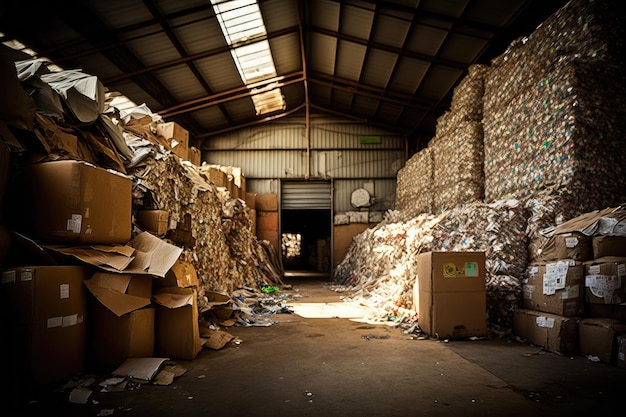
[(337, 367)]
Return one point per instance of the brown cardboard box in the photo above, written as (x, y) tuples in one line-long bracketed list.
[(552, 332), (611, 311), (608, 246), (251, 200), (154, 221), (47, 306), (267, 202), (195, 156), (342, 239), (216, 176), (267, 220), (555, 287), (271, 236), (72, 202), (176, 136), (182, 274), (452, 294), (177, 332), (605, 282), (575, 246), (123, 318), (598, 338)]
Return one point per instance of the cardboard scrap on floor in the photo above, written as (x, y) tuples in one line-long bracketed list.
[(140, 369)]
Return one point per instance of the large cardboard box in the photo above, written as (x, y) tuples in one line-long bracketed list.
[(72, 202), (605, 281), (195, 156), (154, 221), (608, 246), (177, 332), (267, 220), (46, 308), (216, 176), (555, 287), (598, 338), (267, 202), (554, 333), (182, 274), (452, 294), (123, 318), (575, 246), (177, 138)]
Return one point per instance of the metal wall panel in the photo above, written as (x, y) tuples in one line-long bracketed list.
[(261, 164), (305, 195), (383, 192)]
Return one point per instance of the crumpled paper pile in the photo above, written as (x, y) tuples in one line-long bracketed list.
[(380, 267), (226, 255)]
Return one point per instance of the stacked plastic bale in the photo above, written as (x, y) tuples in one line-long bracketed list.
[(554, 112), (413, 188), (457, 148)]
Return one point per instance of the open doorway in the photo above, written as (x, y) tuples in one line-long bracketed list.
[(306, 227)]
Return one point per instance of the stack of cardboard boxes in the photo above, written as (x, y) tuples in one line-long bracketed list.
[(575, 297), (267, 218), (62, 312)]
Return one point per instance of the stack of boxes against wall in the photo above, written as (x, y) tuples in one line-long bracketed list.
[(55, 324), (552, 126), (575, 291)]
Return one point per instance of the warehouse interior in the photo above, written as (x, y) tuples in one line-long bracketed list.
[(352, 204)]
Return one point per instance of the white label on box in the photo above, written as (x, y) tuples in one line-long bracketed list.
[(70, 320), (64, 291), (571, 291), (55, 322), (594, 269), (26, 275), (8, 277), (621, 270), (603, 286), (543, 321), (571, 242), (74, 223), (549, 283), (558, 274)]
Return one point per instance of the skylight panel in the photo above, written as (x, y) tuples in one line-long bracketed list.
[(242, 24)]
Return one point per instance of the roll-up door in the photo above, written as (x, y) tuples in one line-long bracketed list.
[(306, 195)]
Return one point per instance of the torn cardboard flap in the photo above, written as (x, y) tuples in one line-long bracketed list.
[(153, 255), (174, 297), (144, 254), (110, 290)]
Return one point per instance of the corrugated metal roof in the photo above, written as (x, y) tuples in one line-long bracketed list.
[(390, 63)]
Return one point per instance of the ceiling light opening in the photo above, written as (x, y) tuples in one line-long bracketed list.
[(243, 28)]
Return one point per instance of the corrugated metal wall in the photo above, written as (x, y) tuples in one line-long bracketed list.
[(278, 150)]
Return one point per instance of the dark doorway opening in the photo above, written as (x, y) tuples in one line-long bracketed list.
[(306, 239)]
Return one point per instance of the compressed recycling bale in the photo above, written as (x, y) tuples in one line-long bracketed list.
[(413, 190), (458, 166)]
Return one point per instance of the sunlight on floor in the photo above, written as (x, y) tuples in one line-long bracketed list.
[(329, 310)]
